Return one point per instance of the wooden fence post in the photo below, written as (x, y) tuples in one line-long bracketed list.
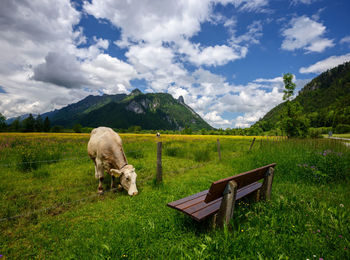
[(227, 206), (250, 148), (159, 162), (266, 187), (219, 151)]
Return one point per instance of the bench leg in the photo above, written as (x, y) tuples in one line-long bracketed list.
[(227, 206), (254, 196), (266, 187)]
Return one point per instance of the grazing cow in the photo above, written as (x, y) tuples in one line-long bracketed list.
[(105, 148)]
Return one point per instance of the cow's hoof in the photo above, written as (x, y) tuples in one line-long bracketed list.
[(100, 192), (114, 189), (120, 187)]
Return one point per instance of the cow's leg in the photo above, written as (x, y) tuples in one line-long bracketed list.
[(96, 174), (113, 184), (99, 175), (100, 187)]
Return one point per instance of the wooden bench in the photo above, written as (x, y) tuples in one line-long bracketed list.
[(219, 200)]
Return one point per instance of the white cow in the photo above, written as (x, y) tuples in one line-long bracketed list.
[(105, 148)]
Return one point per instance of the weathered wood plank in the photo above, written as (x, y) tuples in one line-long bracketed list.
[(195, 203), (191, 203), (242, 179), (227, 205), (180, 201), (207, 211), (267, 184)]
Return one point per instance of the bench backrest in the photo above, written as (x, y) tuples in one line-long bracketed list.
[(243, 179)]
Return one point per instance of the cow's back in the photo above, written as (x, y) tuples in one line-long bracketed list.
[(106, 145)]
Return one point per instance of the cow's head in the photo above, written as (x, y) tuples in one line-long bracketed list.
[(127, 178)]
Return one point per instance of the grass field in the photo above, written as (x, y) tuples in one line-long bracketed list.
[(342, 135), (50, 207)]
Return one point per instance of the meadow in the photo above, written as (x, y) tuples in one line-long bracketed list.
[(50, 207)]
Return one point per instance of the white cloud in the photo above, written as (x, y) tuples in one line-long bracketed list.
[(325, 64), (44, 64), (214, 119), (307, 2), (345, 39), (274, 80), (213, 55), (307, 34), (108, 74), (41, 66), (158, 22), (61, 69), (247, 5), (250, 37), (248, 119), (152, 21)]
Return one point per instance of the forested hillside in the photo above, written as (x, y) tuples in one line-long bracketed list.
[(148, 111), (325, 101)]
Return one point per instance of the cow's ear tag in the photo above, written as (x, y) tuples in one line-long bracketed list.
[(116, 172)]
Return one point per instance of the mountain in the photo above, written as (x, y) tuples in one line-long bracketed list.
[(325, 100), (150, 111), (20, 118)]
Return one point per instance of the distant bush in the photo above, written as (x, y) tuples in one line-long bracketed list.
[(136, 154), (175, 150), (342, 129), (32, 159), (315, 132), (171, 151), (39, 174), (325, 130), (201, 155), (28, 161), (57, 129), (324, 166), (77, 128), (86, 130)]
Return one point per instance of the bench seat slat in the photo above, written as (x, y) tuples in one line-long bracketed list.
[(207, 211), (200, 206), (191, 203), (183, 200), (195, 207)]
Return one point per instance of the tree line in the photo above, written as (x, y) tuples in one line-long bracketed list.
[(29, 124)]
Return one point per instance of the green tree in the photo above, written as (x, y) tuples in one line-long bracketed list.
[(47, 125), (39, 124), (289, 86), (16, 125), (77, 128), (2, 122), (134, 129), (294, 122), (29, 123), (186, 131), (57, 129)]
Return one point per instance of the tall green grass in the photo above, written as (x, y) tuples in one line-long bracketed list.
[(307, 217)]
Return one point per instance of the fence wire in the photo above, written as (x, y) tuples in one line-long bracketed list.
[(30, 213), (45, 209), (43, 161)]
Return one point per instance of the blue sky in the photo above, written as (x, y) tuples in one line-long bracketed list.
[(225, 57)]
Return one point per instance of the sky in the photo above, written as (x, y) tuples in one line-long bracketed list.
[(225, 57)]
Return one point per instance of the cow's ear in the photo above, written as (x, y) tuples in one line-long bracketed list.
[(116, 172)]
